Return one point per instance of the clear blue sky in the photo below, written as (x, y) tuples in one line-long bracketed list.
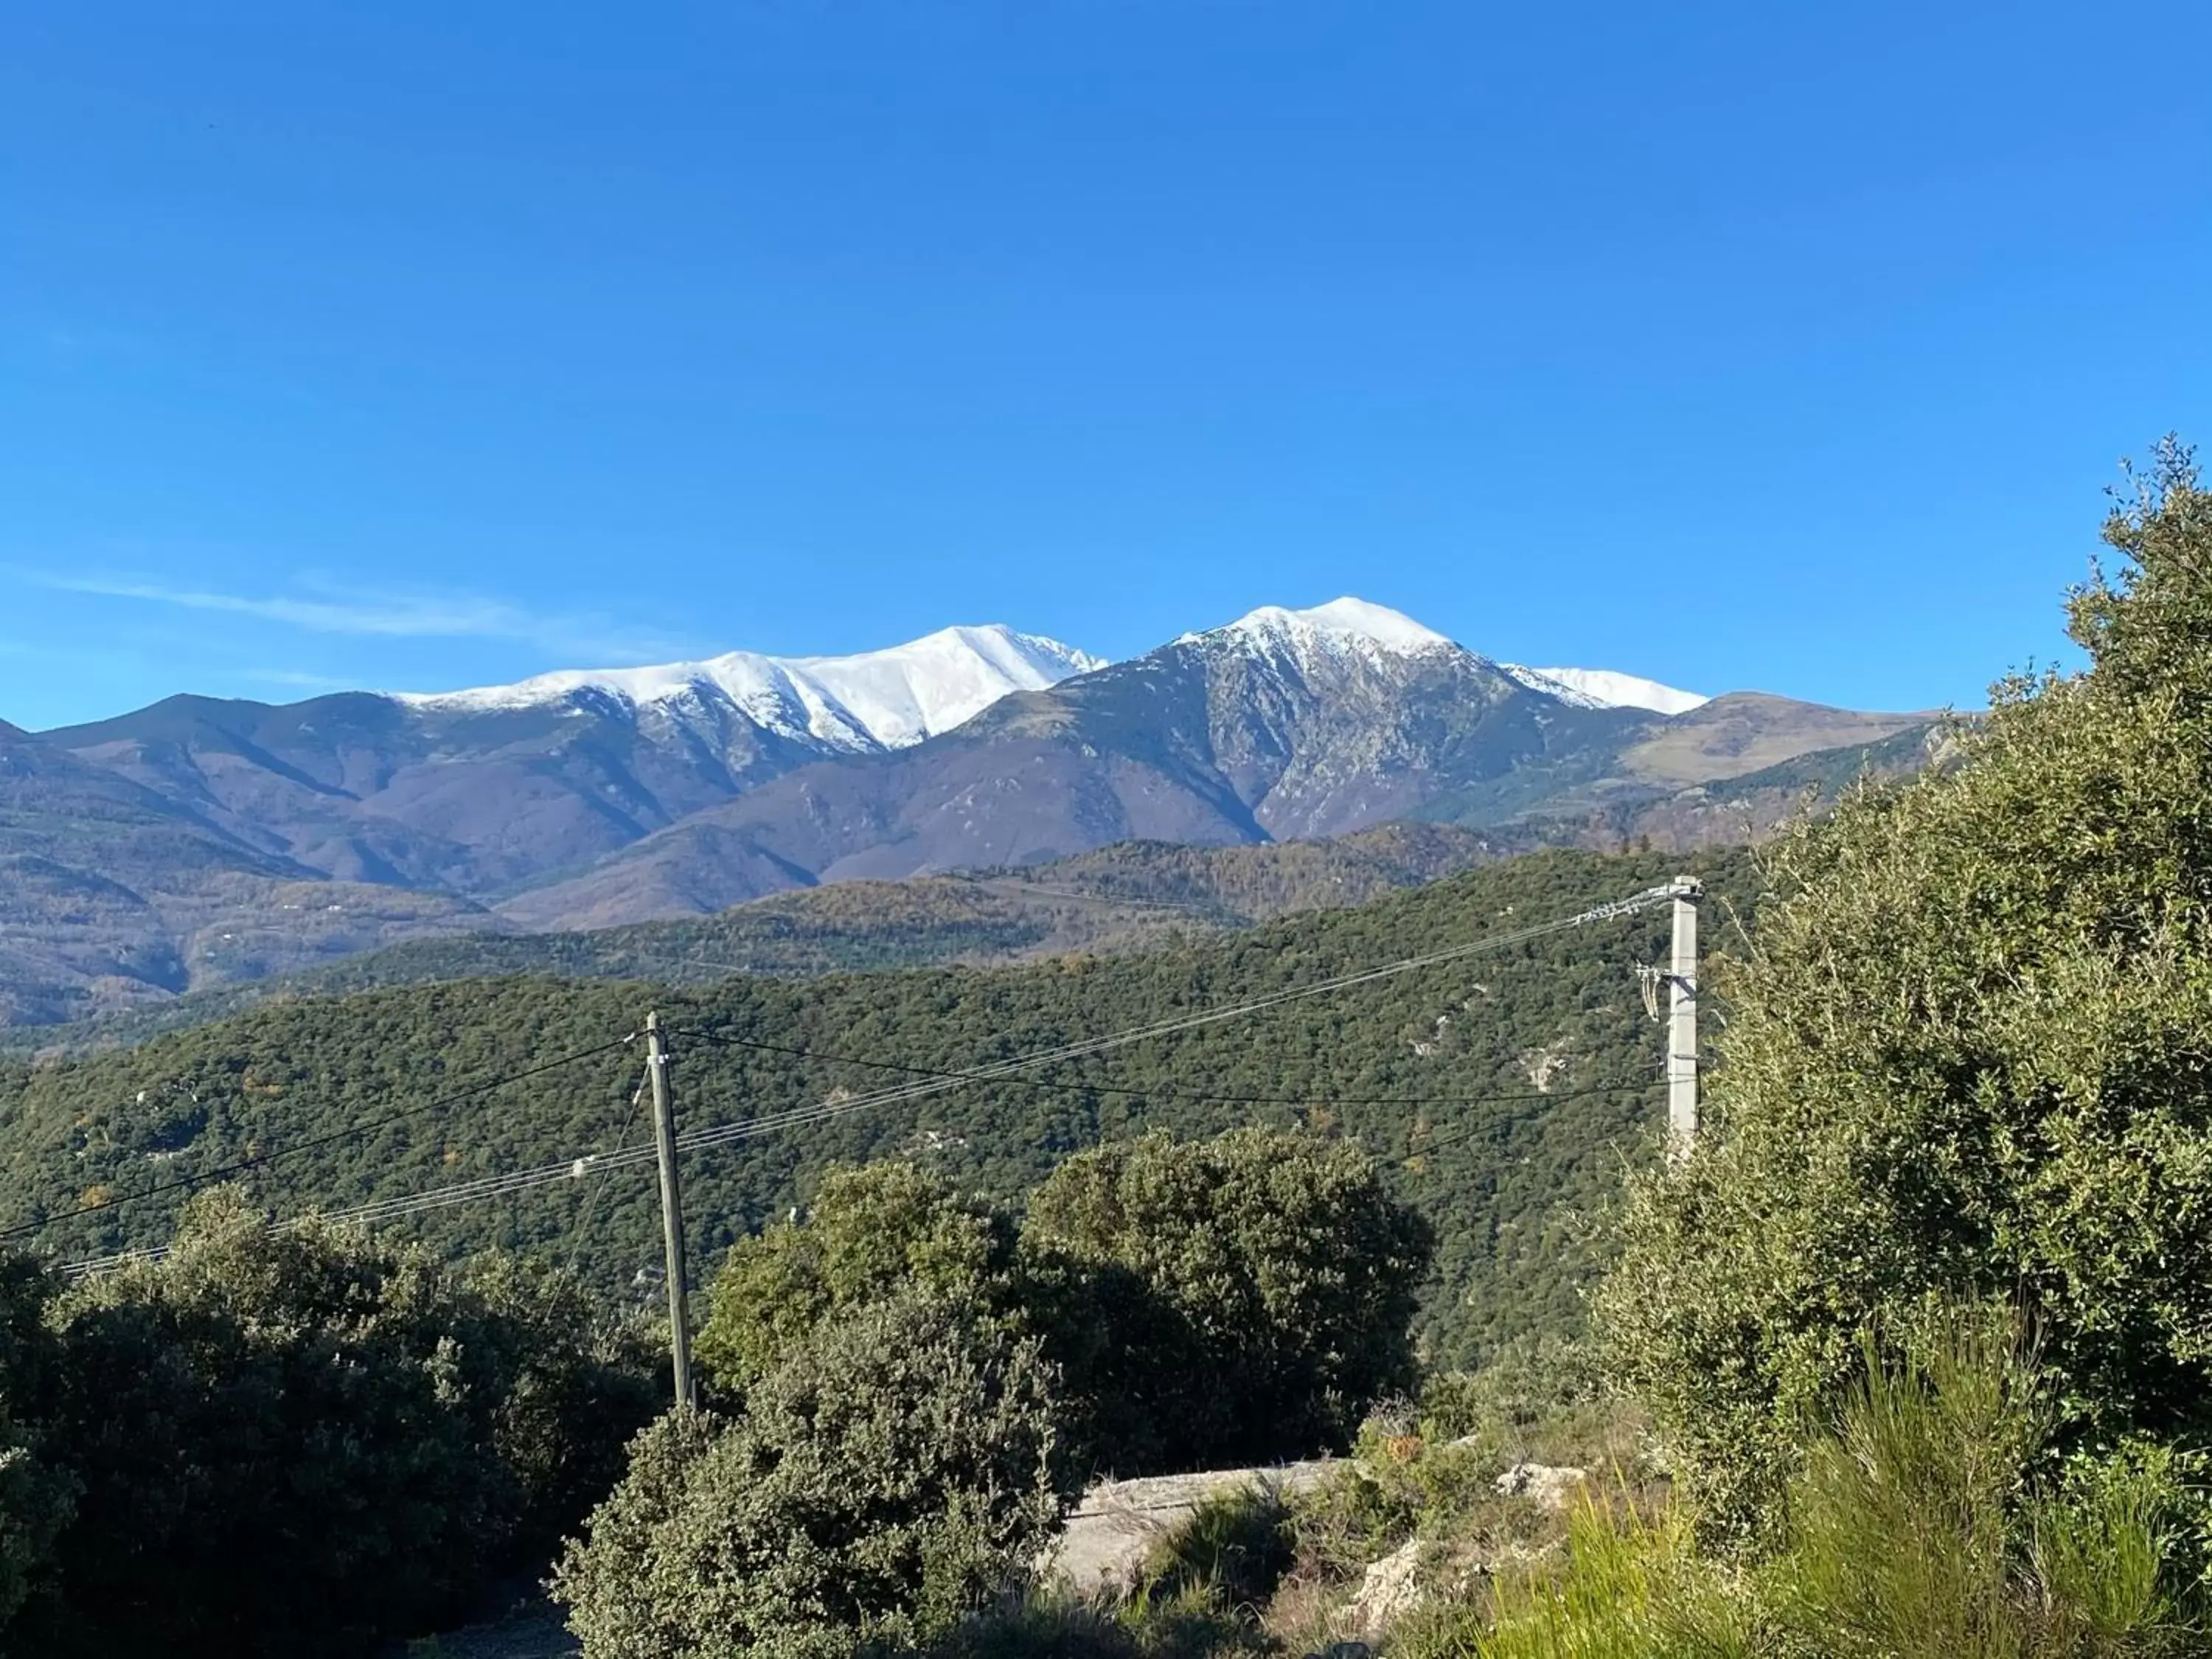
[(416, 345)]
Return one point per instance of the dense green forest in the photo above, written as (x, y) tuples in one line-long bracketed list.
[(1503, 1091)]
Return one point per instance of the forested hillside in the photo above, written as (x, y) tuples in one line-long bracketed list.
[(1503, 1089), (1129, 896)]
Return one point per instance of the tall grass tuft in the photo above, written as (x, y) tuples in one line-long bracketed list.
[(2100, 1552), (1915, 1531), (1234, 1548), (1631, 1587), (1900, 1526)]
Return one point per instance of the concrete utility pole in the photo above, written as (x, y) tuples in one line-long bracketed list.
[(671, 1211), (1682, 1018)]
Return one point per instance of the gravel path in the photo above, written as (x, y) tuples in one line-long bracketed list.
[(1118, 1522)]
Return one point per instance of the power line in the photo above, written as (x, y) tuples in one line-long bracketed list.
[(930, 1082), (378, 1211), (1084, 1086), (628, 1123), (824, 1110), (240, 1166), (1452, 1137)]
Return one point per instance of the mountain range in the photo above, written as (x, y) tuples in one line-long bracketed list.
[(201, 841)]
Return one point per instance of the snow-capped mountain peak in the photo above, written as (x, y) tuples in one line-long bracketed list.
[(942, 680), (1359, 629), (1342, 624), (887, 699), (1603, 688)]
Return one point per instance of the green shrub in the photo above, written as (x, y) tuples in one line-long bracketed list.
[(869, 1233), (1206, 1302), (567, 1381), (1191, 1624), (1395, 1487), (312, 1441), (891, 1474), (1240, 1299), (1233, 1550), (1901, 1521), (2104, 1549), (309, 1441), (1630, 1586), (1040, 1627), (36, 1497), (1966, 1060), (1926, 1522), (1917, 1528), (1523, 1384)]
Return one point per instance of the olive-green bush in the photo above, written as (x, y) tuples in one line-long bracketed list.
[(1967, 1059), (312, 1441), (869, 1233), (1205, 1303), (1248, 1296), (37, 1496), (896, 1469)]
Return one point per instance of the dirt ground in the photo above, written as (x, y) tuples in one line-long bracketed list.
[(531, 1631)]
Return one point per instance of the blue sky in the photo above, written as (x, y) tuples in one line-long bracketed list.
[(415, 346)]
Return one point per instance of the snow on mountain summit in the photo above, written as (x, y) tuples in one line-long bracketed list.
[(1603, 688), (874, 700), (887, 699), (1354, 627), (944, 680), (1342, 624)]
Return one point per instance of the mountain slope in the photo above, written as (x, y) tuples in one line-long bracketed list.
[(111, 895), (1284, 724), (1601, 688), (1132, 895), (876, 699), (1723, 738), (471, 792), (592, 800)]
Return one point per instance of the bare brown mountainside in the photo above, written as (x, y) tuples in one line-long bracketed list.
[(112, 895), (1130, 896)]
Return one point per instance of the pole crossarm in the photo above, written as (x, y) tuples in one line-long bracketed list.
[(1634, 901)]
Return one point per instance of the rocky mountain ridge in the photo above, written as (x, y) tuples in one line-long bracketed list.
[(201, 841), (875, 700)]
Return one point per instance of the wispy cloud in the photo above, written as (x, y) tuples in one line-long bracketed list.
[(298, 681), (323, 609)]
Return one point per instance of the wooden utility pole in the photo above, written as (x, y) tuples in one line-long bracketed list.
[(1682, 1018), (672, 1211)]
